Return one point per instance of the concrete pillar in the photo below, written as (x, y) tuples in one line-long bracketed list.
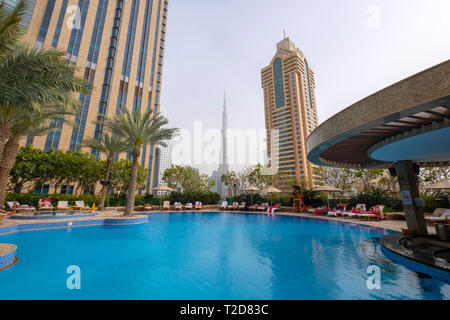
[(414, 215)]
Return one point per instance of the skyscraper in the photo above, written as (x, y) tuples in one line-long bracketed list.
[(290, 107), (118, 46), (223, 158), (163, 161)]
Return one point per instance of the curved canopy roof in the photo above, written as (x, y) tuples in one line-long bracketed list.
[(409, 120)]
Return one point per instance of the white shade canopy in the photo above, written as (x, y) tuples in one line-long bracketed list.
[(270, 190), (327, 188), (163, 188), (252, 189)]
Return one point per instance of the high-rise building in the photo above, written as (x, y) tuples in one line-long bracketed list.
[(219, 186), (290, 107), (163, 162), (118, 46)]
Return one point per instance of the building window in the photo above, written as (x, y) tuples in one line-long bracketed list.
[(279, 83), (42, 189), (66, 189)]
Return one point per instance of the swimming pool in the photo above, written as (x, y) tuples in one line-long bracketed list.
[(211, 256)]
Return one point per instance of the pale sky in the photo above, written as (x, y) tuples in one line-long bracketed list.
[(355, 47)]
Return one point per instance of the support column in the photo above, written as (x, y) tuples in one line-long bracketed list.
[(414, 215)]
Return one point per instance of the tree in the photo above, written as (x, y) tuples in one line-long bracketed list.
[(32, 84), (27, 167), (34, 121), (258, 179), (120, 175), (365, 178), (186, 179), (341, 178), (110, 146), (137, 130), (229, 179), (284, 182)]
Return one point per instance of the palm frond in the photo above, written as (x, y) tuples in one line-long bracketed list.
[(138, 129)]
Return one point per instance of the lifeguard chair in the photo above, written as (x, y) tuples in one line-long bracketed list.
[(298, 205)]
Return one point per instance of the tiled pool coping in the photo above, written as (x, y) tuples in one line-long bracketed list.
[(7, 255), (50, 217), (69, 223)]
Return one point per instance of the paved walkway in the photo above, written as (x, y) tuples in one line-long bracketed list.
[(395, 225)]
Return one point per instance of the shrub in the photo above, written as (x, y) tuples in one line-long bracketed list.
[(207, 197), (33, 199)]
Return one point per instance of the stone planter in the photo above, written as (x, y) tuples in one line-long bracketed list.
[(443, 231)]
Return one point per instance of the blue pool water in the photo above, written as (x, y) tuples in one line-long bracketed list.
[(211, 256)]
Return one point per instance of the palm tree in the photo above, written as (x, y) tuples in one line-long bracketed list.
[(23, 121), (29, 77), (138, 130), (110, 145)]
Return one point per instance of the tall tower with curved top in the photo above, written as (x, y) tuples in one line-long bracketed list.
[(290, 107)]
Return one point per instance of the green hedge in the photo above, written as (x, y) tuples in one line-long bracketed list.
[(33, 199), (204, 197)]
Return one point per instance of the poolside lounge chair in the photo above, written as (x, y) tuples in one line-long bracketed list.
[(198, 205), (340, 209), (263, 207), (372, 213), (177, 206), (224, 205), (242, 206), (45, 205), (166, 205), (188, 206), (147, 207), (274, 208), (63, 205), (17, 207), (235, 205), (322, 210), (439, 215), (3, 214), (79, 205)]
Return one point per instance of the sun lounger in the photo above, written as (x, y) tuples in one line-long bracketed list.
[(323, 210), (262, 207), (439, 216), (272, 209), (63, 205), (198, 205), (2, 216), (234, 206), (242, 206), (45, 205), (224, 205), (188, 206), (147, 207), (177, 206), (17, 207), (166, 205), (338, 211), (79, 205)]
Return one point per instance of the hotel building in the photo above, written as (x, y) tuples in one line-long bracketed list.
[(118, 46), (290, 107)]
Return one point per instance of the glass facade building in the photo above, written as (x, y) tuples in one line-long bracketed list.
[(118, 47)]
